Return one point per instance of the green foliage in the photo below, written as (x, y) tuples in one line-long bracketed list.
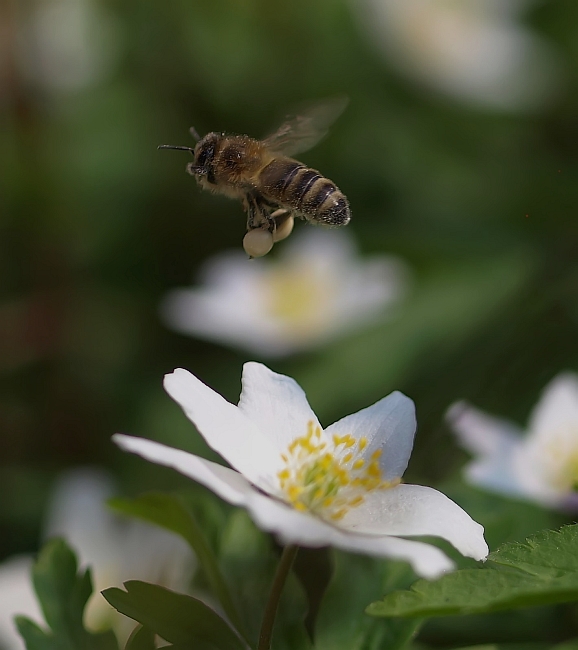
[(142, 638), (341, 624), (171, 513), (63, 594), (541, 571), (177, 618)]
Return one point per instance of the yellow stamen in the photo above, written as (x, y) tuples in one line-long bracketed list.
[(328, 477)]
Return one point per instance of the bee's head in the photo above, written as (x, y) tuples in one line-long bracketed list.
[(203, 155)]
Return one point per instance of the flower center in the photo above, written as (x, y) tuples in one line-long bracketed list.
[(563, 467), (295, 296), (329, 478)]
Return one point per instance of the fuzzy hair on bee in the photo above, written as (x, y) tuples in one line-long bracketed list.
[(274, 187)]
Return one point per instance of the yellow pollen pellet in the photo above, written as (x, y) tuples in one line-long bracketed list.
[(358, 464), (362, 443), (327, 502), (284, 474), (376, 454), (339, 514), (347, 457), (356, 501), (300, 506)]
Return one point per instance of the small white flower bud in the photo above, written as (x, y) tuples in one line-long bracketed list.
[(284, 227), (258, 242)]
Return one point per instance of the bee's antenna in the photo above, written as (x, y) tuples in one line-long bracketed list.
[(172, 146), (194, 133)]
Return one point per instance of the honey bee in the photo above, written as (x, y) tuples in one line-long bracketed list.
[(272, 186)]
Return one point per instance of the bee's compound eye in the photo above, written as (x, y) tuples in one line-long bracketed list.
[(257, 242)]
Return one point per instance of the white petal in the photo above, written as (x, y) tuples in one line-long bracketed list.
[(290, 525), (480, 433), (556, 414), (16, 597), (426, 560), (370, 286), (496, 445), (276, 404), (294, 527), (78, 512), (224, 426), (229, 307), (389, 425), (410, 510), (227, 483)]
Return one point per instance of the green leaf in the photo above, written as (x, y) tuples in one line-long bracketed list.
[(541, 571), (142, 638), (170, 512), (342, 625), (313, 568), (63, 594), (34, 637), (178, 618)]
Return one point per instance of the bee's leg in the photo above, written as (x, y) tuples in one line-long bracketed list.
[(258, 214)]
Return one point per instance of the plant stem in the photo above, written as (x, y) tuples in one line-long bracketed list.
[(285, 563)]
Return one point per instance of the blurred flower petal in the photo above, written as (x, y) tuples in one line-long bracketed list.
[(542, 465), (115, 549), (477, 51), (316, 291), (16, 597)]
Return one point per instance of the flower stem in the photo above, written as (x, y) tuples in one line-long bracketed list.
[(285, 563)]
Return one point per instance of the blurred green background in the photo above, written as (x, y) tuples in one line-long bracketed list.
[(96, 225)]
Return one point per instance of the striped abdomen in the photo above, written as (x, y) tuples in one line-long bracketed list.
[(291, 184)]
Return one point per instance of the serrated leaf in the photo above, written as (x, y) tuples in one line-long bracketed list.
[(62, 594), (177, 618), (541, 571), (170, 512), (34, 637)]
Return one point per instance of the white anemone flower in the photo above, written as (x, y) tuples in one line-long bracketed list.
[(66, 45), (477, 51), (310, 486), (316, 291), (540, 466), (115, 549)]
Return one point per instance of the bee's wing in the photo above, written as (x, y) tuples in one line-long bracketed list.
[(303, 131)]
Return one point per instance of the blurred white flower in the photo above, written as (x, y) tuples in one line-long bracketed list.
[(477, 51), (541, 465), (116, 550), (317, 290), (66, 44), (339, 486)]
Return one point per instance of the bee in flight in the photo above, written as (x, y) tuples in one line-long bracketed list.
[(273, 187)]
